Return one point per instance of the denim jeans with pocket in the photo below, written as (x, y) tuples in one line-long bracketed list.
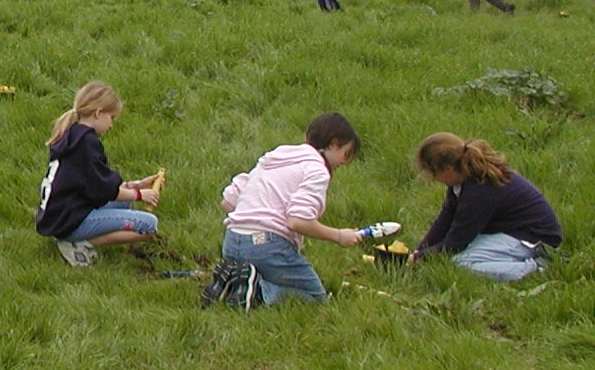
[(114, 216), (283, 270), (498, 256)]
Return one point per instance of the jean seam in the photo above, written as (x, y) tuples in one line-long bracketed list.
[(143, 225)]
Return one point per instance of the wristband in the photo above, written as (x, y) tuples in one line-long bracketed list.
[(139, 195)]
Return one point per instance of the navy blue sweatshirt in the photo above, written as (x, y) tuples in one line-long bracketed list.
[(516, 208), (78, 180)]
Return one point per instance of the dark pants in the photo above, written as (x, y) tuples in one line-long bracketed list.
[(497, 3)]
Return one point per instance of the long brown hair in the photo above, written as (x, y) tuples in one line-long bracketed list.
[(94, 95), (473, 158)]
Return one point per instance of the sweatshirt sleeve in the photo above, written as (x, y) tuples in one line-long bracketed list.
[(474, 211), (101, 184), (309, 200), (442, 223), (232, 192)]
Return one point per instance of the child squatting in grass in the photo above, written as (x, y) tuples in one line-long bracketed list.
[(493, 220), (84, 203), (271, 208)]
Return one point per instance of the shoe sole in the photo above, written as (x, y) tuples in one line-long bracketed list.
[(227, 280), (250, 292), (207, 298), (69, 253), (224, 291), (89, 251)]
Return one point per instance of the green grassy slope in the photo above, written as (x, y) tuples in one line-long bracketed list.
[(209, 86)]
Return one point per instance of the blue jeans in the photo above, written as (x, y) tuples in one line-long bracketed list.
[(114, 216), (284, 271), (499, 256)]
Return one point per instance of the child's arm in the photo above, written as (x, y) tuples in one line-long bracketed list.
[(145, 183), (470, 215), (307, 204), (146, 195), (314, 229), (433, 240), (475, 209), (232, 192), (442, 223)]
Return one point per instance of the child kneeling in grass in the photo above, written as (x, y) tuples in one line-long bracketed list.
[(83, 202), (271, 208), (493, 220)]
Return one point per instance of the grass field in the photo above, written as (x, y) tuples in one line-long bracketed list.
[(209, 85)]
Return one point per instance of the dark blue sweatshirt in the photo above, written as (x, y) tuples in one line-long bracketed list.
[(516, 208), (78, 180)]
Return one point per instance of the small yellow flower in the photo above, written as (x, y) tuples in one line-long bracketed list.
[(4, 89)]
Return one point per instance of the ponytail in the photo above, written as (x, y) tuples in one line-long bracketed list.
[(91, 97), (474, 158), (483, 163), (62, 124)]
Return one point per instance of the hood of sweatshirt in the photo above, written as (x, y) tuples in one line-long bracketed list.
[(70, 140), (287, 155)]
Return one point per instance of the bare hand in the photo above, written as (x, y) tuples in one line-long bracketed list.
[(227, 207), (145, 183), (150, 197), (413, 258), (348, 237)]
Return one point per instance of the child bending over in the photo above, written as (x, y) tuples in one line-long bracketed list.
[(271, 208), (493, 220)]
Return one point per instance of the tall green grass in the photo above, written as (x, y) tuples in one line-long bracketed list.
[(209, 86)]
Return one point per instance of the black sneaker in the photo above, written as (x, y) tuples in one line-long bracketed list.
[(244, 287), (218, 289), (329, 5)]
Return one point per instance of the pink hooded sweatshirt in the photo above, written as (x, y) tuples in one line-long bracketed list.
[(289, 181)]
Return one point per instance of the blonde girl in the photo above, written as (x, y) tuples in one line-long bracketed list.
[(84, 203)]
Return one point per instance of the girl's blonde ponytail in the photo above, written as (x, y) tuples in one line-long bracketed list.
[(91, 97), (62, 124)]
